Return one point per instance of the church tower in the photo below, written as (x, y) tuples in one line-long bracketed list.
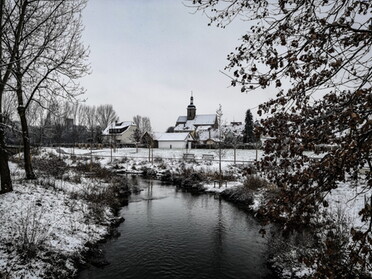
[(191, 109)]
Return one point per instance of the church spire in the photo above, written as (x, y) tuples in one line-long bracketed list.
[(191, 109)]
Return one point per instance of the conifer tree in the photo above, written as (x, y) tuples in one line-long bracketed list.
[(248, 135)]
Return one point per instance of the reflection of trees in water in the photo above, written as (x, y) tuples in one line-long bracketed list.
[(218, 235), (190, 202), (150, 184), (149, 190), (134, 181)]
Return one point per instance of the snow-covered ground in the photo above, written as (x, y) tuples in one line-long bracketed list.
[(133, 160), (47, 214), (45, 226), (144, 153)]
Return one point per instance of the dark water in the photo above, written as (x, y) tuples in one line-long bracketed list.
[(172, 234)]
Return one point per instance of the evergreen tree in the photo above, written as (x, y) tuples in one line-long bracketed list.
[(248, 135)]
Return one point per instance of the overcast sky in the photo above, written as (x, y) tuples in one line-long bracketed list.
[(148, 55)]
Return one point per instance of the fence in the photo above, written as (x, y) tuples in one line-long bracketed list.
[(91, 155)]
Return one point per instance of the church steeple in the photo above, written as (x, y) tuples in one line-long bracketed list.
[(191, 109)]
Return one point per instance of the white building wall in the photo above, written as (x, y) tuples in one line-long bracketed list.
[(172, 144), (127, 137)]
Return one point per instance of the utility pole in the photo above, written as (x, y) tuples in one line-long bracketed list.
[(111, 147)]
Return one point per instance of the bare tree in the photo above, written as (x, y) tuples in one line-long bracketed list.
[(143, 125), (137, 120), (7, 60), (9, 107), (146, 125), (106, 115), (49, 57), (91, 120)]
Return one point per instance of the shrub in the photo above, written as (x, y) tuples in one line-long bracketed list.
[(103, 196), (254, 182), (95, 170), (240, 195), (158, 159), (52, 166), (148, 172), (31, 232)]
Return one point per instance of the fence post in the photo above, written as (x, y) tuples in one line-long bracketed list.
[(149, 154), (234, 155), (256, 151), (111, 148), (91, 156)]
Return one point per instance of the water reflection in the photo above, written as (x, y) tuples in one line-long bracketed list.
[(173, 234)]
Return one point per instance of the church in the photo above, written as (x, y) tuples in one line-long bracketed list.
[(195, 123), (201, 128)]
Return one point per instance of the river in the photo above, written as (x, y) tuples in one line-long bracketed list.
[(169, 233)]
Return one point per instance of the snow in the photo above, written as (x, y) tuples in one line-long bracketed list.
[(45, 214), (346, 201), (115, 125), (216, 188), (64, 224), (171, 136), (242, 156), (199, 120), (208, 134), (182, 119)]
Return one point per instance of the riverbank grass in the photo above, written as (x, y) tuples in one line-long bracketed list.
[(49, 224)]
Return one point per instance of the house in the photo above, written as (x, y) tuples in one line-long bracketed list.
[(120, 132), (208, 136), (168, 140), (193, 122)]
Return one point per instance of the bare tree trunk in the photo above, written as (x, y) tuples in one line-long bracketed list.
[(26, 144), (6, 180), (25, 134)]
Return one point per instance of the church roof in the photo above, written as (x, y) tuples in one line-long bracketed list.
[(199, 120), (171, 136), (182, 119)]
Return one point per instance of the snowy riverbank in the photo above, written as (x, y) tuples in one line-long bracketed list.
[(340, 217), (47, 225), (50, 223)]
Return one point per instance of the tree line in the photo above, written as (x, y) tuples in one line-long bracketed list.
[(62, 123)]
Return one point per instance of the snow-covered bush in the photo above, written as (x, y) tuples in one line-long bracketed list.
[(32, 233), (254, 182), (50, 166)]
